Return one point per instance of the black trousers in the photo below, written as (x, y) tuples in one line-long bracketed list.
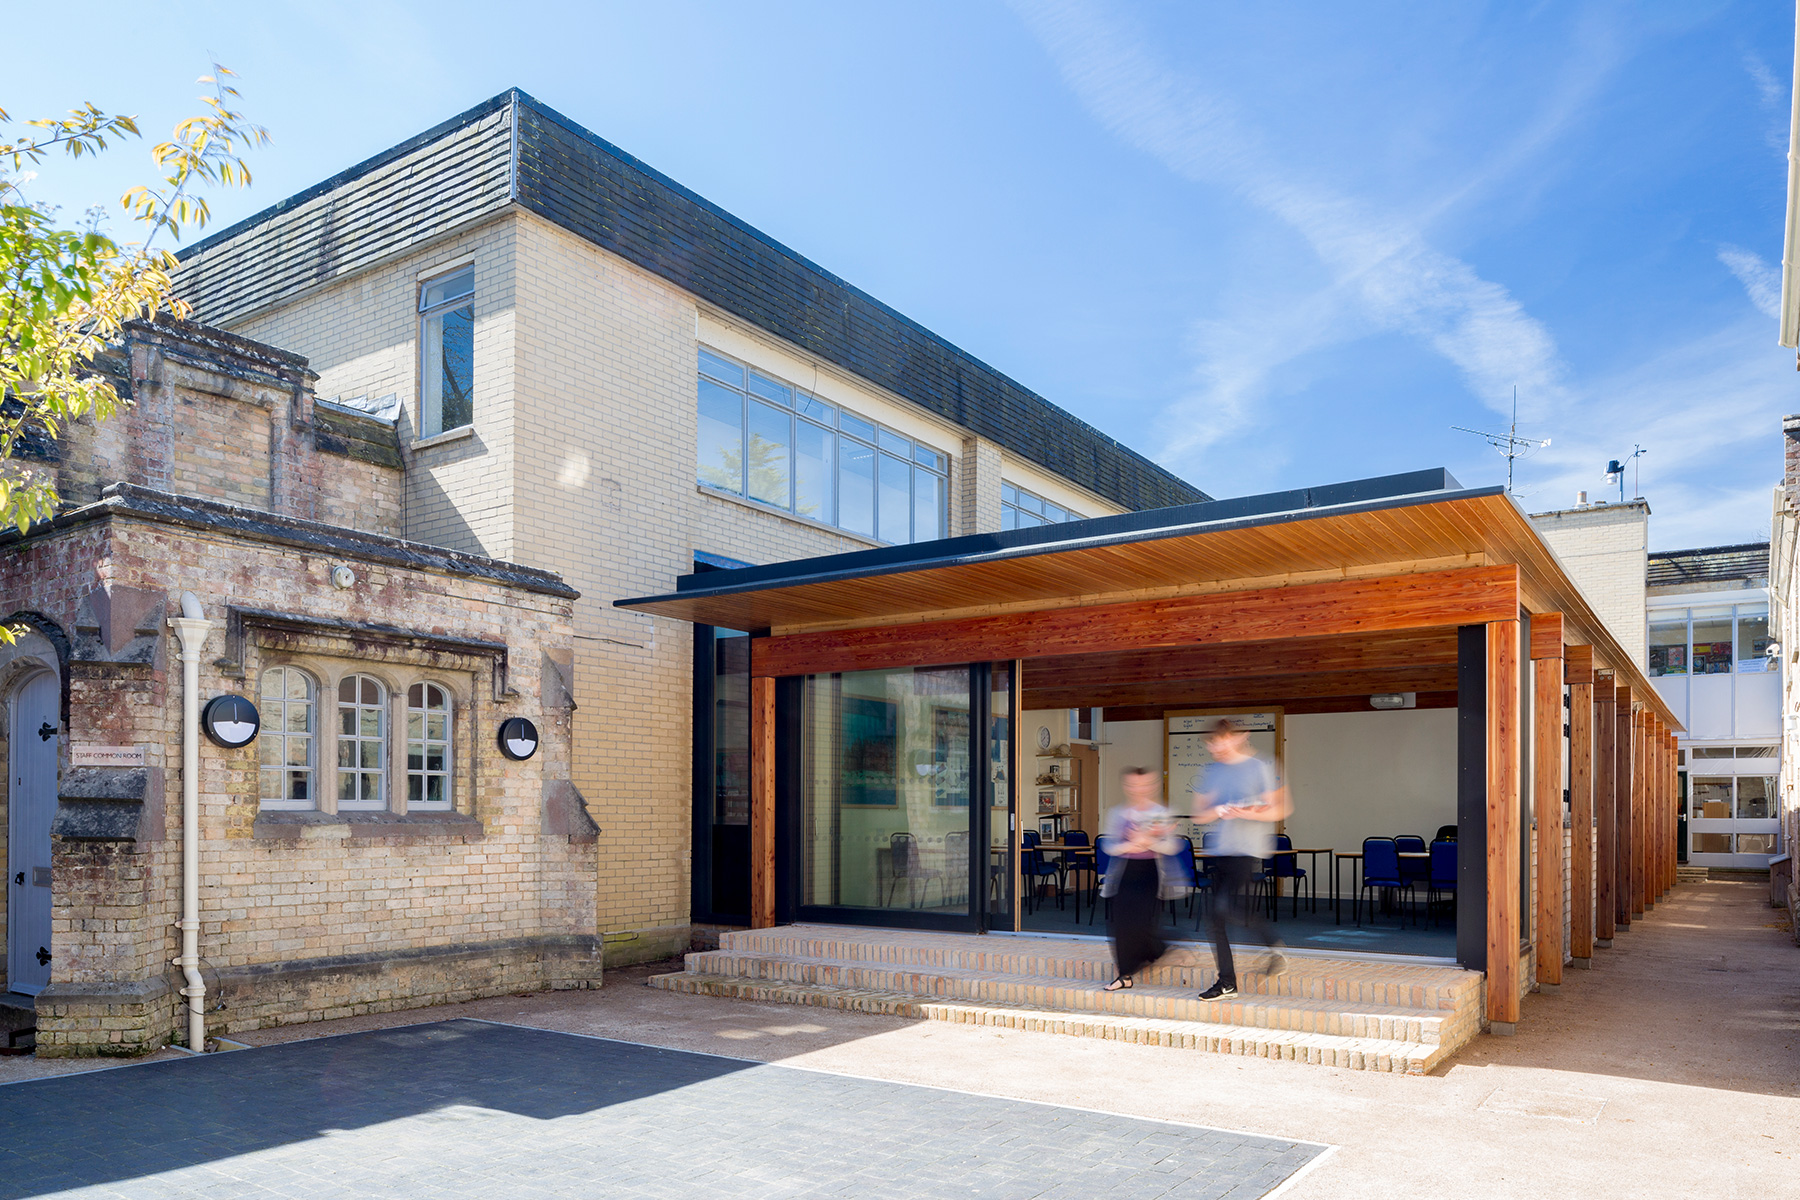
[(1135, 919), (1236, 876)]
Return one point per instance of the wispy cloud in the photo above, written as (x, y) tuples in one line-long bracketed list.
[(1707, 411), (1762, 282), (1384, 274), (1772, 93)]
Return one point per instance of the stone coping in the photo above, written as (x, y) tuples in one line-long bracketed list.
[(279, 825)]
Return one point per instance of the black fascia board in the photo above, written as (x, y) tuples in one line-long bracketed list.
[(1270, 508)]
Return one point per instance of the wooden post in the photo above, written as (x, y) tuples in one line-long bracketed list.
[(1503, 825), (1668, 831), (762, 802), (1640, 772), (1580, 669), (1624, 784), (1671, 809), (1546, 792), (1606, 811)]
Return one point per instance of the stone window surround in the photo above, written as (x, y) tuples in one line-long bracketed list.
[(326, 671)]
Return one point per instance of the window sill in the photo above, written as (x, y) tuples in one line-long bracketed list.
[(286, 825), (784, 514), (444, 438)]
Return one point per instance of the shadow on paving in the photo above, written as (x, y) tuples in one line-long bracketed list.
[(1702, 991), (466, 1107)]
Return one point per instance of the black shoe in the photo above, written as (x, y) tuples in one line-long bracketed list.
[(1219, 991)]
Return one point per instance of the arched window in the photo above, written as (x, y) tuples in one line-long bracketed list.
[(288, 730), (427, 747), (361, 743)]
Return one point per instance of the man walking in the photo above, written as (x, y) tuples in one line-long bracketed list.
[(1240, 792)]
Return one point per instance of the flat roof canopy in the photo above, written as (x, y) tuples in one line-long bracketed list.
[(1408, 524)]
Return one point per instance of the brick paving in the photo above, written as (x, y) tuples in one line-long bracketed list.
[(467, 1108)]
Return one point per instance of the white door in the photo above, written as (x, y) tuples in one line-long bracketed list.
[(33, 803)]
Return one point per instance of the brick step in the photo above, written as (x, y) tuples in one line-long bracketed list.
[(1166, 999), (1356, 1053), (1053, 959)]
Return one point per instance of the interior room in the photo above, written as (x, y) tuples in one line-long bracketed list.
[(1366, 749)]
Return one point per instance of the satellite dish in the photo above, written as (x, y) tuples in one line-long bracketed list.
[(230, 721)]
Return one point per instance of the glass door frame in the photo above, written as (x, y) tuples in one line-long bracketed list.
[(790, 828)]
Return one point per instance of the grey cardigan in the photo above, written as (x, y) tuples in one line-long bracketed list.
[(1171, 882)]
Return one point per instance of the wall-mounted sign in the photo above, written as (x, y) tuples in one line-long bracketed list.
[(106, 756), (518, 738), (230, 721)]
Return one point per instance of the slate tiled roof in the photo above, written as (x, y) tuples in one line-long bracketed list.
[(1710, 564), (514, 150)]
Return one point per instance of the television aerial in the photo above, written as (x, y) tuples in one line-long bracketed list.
[(1511, 446)]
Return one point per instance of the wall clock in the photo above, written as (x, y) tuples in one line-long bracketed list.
[(1043, 737)]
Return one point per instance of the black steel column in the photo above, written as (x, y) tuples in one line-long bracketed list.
[(1471, 797)]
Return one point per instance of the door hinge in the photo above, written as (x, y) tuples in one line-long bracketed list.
[(43, 956), (46, 731)]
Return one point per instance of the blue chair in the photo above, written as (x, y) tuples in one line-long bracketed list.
[(1036, 868), (1381, 875), (1074, 864), (1102, 861), (1441, 884), (1283, 866), (1187, 869), (1415, 869)]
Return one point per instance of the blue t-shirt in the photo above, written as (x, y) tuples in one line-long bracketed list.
[(1243, 782)]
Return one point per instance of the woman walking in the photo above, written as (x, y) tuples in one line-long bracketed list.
[(1138, 834)]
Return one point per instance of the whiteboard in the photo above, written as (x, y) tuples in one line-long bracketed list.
[(1185, 744)]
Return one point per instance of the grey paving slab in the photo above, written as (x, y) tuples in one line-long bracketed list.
[(461, 1110)]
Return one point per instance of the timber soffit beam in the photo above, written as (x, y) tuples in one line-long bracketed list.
[(1346, 530), (512, 153)]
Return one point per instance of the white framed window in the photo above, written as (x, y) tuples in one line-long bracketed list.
[(428, 728), (1711, 641), (286, 706), (771, 442), (1020, 509), (447, 352), (361, 743)]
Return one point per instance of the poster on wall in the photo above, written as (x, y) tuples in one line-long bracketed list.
[(1185, 736), (869, 737), (950, 753)]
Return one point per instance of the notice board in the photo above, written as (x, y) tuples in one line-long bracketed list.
[(1186, 756)]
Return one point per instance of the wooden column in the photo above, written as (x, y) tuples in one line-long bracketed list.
[(1624, 756), (1546, 791), (1503, 824), (1579, 666), (762, 802), (1606, 813), (1640, 771), (1671, 808), (1668, 823)]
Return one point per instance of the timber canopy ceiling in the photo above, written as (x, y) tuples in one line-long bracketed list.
[(1393, 525)]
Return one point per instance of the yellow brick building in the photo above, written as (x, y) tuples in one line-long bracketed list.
[(590, 287)]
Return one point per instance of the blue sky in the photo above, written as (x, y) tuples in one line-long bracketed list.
[(1268, 245)]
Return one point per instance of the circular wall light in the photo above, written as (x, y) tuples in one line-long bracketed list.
[(518, 738), (230, 721)]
